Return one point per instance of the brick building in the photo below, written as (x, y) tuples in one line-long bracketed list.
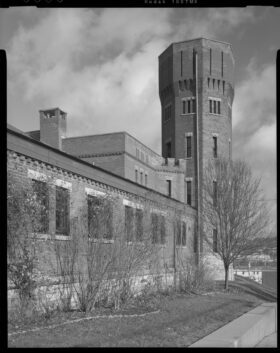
[(196, 94)]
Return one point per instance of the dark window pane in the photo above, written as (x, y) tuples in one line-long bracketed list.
[(184, 107), (189, 146), (129, 223), (62, 210), (40, 189), (214, 146), (189, 192), (168, 187), (139, 225), (94, 210)]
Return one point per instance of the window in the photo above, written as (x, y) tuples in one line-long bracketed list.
[(62, 210), (146, 179), (219, 107), (189, 192), (215, 148), (215, 240), (136, 175), (154, 228), (129, 223), (162, 229), (40, 189), (93, 216), (189, 146), (99, 218), (214, 193), (139, 224), (189, 105), (168, 149), (214, 106), (169, 187), (214, 110), (158, 229), (141, 178), (184, 106), (181, 233), (184, 234)]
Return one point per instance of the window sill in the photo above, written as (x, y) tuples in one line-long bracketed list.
[(51, 237), (187, 114)]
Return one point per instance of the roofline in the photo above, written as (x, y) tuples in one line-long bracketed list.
[(194, 39), (112, 133), (76, 159)]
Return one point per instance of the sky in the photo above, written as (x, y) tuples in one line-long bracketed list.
[(101, 67)]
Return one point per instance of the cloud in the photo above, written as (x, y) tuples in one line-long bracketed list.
[(101, 66), (254, 126)]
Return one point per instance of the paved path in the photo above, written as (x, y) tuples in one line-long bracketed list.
[(268, 341)]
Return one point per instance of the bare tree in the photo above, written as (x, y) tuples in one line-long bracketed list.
[(234, 211)]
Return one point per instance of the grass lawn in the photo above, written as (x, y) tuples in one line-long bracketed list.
[(182, 319)]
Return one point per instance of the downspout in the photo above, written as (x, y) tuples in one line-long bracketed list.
[(197, 161)]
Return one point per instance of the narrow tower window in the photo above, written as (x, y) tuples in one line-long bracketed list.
[(141, 178), (169, 187), (210, 106), (215, 147), (219, 107), (189, 106), (189, 192), (189, 146), (146, 179), (184, 106), (214, 110), (168, 149), (136, 175)]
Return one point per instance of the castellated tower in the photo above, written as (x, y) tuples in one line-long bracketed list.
[(196, 93)]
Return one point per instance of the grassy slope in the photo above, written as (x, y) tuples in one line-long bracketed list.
[(182, 320)]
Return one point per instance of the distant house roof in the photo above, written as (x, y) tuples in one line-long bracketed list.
[(34, 134)]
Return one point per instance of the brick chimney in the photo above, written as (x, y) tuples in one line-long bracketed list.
[(52, 127)]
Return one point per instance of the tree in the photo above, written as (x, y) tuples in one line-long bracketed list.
[(234, 212)]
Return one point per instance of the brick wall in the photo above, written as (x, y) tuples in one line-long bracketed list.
[(55, 165)]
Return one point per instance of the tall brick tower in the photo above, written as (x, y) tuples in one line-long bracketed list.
[(196, 93)]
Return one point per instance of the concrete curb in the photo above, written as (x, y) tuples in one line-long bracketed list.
[(246, 331)]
